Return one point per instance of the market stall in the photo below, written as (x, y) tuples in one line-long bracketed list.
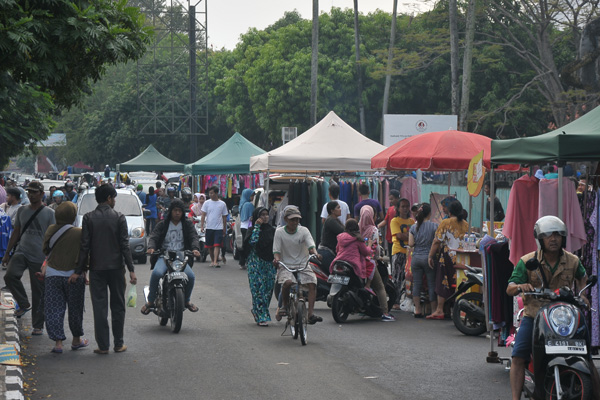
[(578, 141), (150, 160), (228, 165)]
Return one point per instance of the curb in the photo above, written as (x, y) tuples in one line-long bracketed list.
[(13, 375)]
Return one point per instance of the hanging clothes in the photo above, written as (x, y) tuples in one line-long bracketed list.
[(521, 215), (410, 190), (312, 209), (548, 205)]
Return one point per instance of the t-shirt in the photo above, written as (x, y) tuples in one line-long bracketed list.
[(343, 206), (389, 216), (331, 228), (142, 196), (399, 225), (32, 239), (215, 210), (423, 238), (293, 247), (371, 202), (174, 237)]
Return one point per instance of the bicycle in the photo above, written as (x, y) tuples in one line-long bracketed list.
[(297, 313)]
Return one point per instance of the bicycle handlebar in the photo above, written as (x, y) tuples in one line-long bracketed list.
[(312, 257)]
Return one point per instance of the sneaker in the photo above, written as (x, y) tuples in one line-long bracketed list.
[(21, 311), (387, 318)]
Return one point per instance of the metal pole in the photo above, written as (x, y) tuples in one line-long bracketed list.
[(193, 82), (560, 191), (492, 353)]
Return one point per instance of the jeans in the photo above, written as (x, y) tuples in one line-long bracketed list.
[(420, 267), (160, 269)]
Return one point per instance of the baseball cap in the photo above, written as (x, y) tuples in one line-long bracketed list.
[(292, 212), (140, 186), (35, 185)]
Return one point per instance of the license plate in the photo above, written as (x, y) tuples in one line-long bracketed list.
[(571, 346), (342, 280), (177, 275)]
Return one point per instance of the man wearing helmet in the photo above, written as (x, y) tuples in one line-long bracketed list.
[(560, 268), (70, 193), (58, 196), (165, 202)]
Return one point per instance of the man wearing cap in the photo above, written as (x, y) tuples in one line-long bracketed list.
[(292, 245), (30, 226), (140, 193)]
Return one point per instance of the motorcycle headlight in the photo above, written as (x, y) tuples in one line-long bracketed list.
[(562, 320), (137, 232), (178, 265)]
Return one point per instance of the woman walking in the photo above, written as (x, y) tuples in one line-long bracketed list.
[(331, 228), (61, 245), (448, 235), (151, 206), (258, 255), (420, 238)]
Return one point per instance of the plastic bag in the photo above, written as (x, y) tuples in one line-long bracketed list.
[(132, 296)]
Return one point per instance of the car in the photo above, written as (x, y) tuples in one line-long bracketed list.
[(128, 204)]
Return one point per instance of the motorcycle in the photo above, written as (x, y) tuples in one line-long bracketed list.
[(201, 240), (348, 294), (561, 365), (468, 313), (170, 299)]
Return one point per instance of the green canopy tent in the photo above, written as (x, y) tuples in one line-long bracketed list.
[(150, 160), (232, 157), (576, 141)]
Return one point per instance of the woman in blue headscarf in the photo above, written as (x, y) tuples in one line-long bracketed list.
[(246, 210)]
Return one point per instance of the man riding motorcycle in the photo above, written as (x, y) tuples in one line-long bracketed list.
[(58, 196), (560, 267), (174, 233)]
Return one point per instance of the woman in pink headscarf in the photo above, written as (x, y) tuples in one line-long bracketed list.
[(195, 209)]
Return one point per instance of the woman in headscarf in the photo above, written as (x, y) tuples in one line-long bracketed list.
[(369, 232), (246, 210), (447, 236), (62, 249), (257, 253), (196, 208)]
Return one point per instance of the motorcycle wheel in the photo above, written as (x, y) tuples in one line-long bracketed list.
[(338, 311), (462, 321), (162, 321), (575, 385), (177, 304), (302, 318)]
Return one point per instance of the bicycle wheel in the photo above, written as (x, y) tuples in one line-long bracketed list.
[(293, 304), (302, 318)]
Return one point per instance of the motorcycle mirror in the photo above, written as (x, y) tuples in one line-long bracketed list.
[(532, 264)]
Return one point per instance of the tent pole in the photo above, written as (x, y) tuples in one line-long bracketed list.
[(420, 183), (485, 277), (449, 182), (560, 192), (470, 210)]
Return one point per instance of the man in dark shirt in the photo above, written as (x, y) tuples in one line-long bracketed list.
[(105, 241), (364, 190)]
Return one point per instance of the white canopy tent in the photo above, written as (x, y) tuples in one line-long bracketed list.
[(330, 145)]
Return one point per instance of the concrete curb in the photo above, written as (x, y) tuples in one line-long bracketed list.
[(13, 375)]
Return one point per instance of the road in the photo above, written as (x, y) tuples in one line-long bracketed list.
[(221, 353)]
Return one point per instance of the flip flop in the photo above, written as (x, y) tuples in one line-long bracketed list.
[(37, 332), (431, 316), (191, 307), (263, 323), (83, 343), (57, 350), (146, 308)]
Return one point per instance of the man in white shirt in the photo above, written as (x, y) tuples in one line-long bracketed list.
[(13, 202), (334, 194), (292, 245), (214, 213)]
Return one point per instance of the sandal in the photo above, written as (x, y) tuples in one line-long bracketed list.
[(191, 307), (83, 343), (281, 312), (57, 350), (313, 319), (37, 332), (146, 308), (263, 323)]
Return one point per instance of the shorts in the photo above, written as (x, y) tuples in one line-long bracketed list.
[(306, 276), (214, 238), (522, 348)]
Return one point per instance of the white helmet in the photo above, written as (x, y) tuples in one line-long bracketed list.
[(546, 226)]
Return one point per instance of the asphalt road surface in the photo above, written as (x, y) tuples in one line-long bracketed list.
[(221, 353)]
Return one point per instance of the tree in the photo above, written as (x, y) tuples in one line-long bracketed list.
[(361, 108), (52, 52), (314, 63), (388, 75), (467, 66)]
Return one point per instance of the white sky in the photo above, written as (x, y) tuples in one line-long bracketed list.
[(228, 19)]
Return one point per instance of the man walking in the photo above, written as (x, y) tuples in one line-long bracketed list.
[(334, 194), (13, 203), (27, 240), (214, 212), (105, 241), (364, 190)]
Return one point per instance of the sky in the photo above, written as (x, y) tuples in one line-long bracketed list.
[(228, 19)]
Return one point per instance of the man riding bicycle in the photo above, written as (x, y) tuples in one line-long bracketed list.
[(293, 245), (174, 233)]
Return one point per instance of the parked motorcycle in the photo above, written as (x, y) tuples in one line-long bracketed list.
[(201, 240), (561, 363), (170, 299), (349, 296), (468, 313)]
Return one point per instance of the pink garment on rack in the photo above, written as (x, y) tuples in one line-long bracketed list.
[(548, 205), (410, 190), (386, 194), (521, 214), (223, 185)]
